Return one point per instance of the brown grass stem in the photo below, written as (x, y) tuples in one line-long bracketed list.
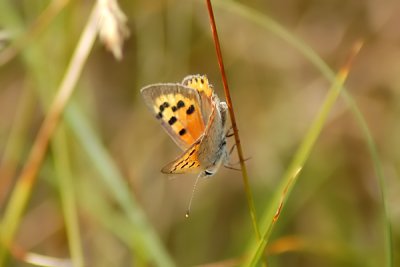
[(27, 178), (246, 184)]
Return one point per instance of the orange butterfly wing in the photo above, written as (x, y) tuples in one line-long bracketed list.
[(184, 111), (188, 162), (178, 109)]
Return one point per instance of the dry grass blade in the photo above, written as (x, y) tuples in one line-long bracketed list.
[(28, 175)]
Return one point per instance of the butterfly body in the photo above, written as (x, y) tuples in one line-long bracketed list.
[(195, 118)]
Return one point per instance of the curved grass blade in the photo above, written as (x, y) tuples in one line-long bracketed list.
[(271, 25), (144, 235), (301, 156)]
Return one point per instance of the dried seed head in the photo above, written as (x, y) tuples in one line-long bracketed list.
[(112, 26)]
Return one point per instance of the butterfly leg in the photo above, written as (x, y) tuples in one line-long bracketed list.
[(227, 164), (230, 165), (229, 133), (232, 148), (237, 162), (231, 151)]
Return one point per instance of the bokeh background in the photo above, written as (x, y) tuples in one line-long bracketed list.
[(334, 214)]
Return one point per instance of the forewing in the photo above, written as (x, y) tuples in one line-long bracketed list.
[(187, 162), (178, 108)]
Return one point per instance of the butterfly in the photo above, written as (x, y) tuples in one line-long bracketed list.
[(193, 115)]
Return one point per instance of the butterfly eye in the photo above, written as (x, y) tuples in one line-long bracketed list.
[(208, 173)]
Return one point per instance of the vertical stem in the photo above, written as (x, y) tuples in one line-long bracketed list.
[(249, 196), (67, 193)]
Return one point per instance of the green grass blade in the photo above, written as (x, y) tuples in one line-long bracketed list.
[(110, 175), (271, 25), (289, 179), (67, 193), (148, 242), (26, 179), (97, 207)]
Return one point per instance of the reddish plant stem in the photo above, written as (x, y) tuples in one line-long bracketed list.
[(249, 196)]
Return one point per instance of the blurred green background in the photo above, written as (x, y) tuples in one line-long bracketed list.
[(334, 214)]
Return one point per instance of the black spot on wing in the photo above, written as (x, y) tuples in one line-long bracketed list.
[(163, 106), (180, 104), (184, 165), (182, 131), (159, 115), (190, 110), (191, 165), (172, 120)]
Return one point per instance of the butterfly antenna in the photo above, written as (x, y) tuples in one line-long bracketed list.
[(191, 197)]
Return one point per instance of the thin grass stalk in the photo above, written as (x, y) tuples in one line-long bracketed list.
[(144, 237), (102, 211), (25, 181), (290, 177), (67, 193), (271, 25), (15, 142), (381, 179), (249, 195), (138, 233)]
